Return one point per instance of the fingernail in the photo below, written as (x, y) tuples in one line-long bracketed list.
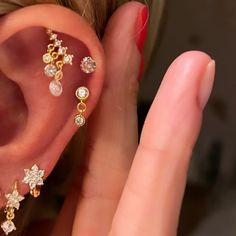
[(206, 84), (142, 28)]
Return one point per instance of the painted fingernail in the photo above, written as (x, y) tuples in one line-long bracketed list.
[(142, 28), (206, 84)]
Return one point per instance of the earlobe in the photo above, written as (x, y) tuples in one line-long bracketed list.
[(48, 122)]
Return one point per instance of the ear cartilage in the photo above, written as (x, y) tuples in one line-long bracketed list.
[(55, 58), (34, 178), (82, 93), (13, 200), (88, 65)]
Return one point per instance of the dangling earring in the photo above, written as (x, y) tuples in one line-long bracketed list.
[(13, 203), (82, 93), (55, 58), (34, 178)]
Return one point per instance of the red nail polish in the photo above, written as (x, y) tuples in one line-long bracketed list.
[(142, 28)]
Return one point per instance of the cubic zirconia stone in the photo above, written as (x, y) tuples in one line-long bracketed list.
[(8, 226), (68, 59), (14, 199), (55, 88), (50, 70), (62, 50), (79, 120), (53, 37), (82, 93), (57, 43), (88, 65), (47, 58), (33, 177)]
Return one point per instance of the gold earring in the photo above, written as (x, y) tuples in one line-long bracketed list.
[(34, 178), (88, 65), (82, 93), (13, 203), (55, 58)]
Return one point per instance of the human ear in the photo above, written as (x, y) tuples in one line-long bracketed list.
[(36, 126)]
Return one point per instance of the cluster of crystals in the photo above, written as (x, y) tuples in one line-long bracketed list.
[(13, 202), (88, 65), (55, 58), (82, 93), (33, 177)]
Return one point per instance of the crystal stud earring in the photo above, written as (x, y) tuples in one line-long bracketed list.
[(82, 93), (55, 58), (34, 178), (13, 203), (88, 65)]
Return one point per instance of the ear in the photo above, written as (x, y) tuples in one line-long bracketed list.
[(35, 126)]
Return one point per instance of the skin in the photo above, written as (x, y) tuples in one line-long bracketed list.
[(129, 187)]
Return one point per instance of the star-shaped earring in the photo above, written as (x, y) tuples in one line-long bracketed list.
[(33, 177), (14, 199)]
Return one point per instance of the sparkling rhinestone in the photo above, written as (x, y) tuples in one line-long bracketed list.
[(57, 43), (50, 70), (14, 199), (68, 59), (8, 226), (55, 88), (82, 93), (79, 120), (47, 58), (62, 50), (33, 177), (53, 37), (88, 65)]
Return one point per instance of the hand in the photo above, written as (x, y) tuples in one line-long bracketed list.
[(133, 188)]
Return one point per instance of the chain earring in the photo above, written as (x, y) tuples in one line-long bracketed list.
[(82, 93), (34, 178), (55, 58), (13, 203)]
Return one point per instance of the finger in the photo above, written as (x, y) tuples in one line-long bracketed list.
[(152, 197), (112, 135), (112, 130)]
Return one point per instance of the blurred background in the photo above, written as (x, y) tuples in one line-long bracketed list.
[(209, 206)]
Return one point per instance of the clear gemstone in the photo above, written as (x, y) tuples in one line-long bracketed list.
[(68, 59), (33, 177), (58, 43), (50, 70), (62, 50), (55, 88), (88, 65), (8, 226), (82, 93), (14, 199), (79, 120), (47, 58), (53, 37)]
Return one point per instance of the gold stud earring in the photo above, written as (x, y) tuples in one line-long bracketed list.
[(82, 93), (55, 58), (34, 178), (88, 65), (13, 203)]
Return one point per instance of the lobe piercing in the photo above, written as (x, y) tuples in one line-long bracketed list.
[(34, 178), (13, 203)]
